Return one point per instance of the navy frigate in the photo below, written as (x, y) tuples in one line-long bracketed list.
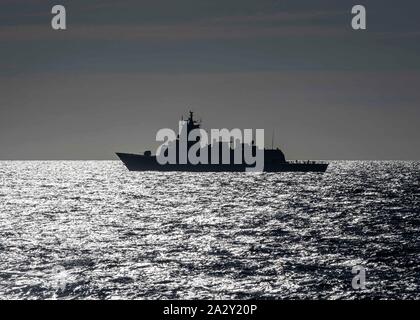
[(274, 160)]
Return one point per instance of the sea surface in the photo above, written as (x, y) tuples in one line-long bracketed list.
[(93, 230)]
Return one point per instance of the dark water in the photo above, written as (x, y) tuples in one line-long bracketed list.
[(93, 230)]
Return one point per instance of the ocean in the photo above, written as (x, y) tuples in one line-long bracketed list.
[(93, 230)]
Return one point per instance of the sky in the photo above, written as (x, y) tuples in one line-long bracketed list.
[(125, 69)]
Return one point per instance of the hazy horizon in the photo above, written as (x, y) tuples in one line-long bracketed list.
[(122, 71)]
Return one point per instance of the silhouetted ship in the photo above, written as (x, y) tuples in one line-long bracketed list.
[(274, 159)]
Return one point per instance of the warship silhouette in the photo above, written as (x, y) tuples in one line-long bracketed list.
[(274, 159)]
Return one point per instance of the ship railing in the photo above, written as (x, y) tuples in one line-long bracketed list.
[(307, 162)]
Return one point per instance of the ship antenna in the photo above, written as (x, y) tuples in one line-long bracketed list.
[(272, 141)]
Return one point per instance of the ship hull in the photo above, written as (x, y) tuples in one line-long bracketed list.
[(135, 162)]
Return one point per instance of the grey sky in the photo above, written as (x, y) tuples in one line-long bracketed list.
[(125, 69)]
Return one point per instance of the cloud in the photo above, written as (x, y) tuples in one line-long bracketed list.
[(190, 31), (283, 16)]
